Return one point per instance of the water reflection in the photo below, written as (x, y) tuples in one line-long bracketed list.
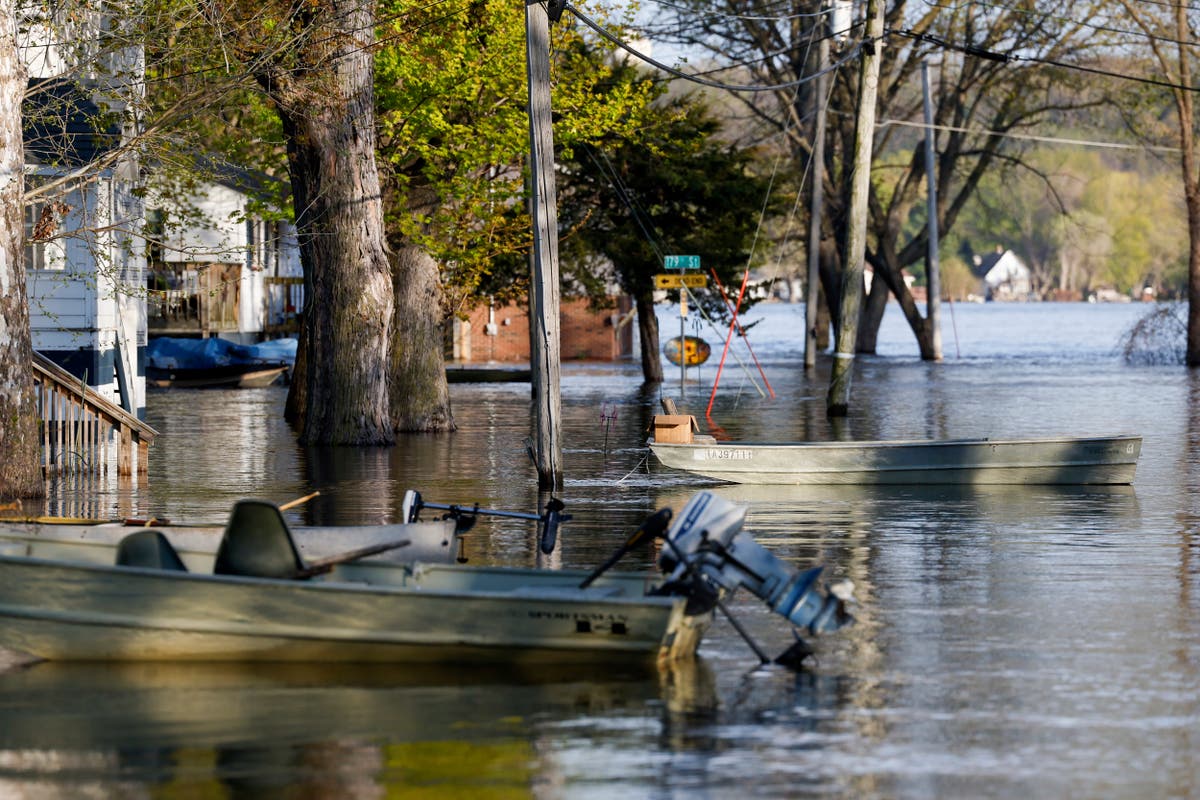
[(258, 727), (1005, 636)]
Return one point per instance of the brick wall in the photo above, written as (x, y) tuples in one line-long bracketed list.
[(585, 334)]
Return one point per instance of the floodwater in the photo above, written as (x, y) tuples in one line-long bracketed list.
[(1011, 642)]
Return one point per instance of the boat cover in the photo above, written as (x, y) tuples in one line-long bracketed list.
[(173, 353)]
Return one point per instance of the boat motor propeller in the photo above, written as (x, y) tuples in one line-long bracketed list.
[(707, 539), (464, 516), (706, 554)]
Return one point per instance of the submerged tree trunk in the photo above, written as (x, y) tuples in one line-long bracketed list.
[(1192, 356), (868, 324), (420, 396), (20, 469), (652, 371), (319, 77), (297, 397), (315, 62), (920, 326), (348, 316)]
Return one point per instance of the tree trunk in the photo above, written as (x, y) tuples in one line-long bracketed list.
[(858, 191), (329, 121), (824, 322), (868, 324), (1193, 294), (919, 325), (20, 470), (297, 398), (652, 371), (420, 396)]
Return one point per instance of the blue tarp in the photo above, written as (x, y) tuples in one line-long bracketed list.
[(167, 352)]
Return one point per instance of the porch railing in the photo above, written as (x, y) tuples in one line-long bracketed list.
[(80, 430)]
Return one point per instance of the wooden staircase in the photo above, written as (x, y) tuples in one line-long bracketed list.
[(80, 430)]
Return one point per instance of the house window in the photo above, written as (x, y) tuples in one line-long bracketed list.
[(35, 252), (45, 218), (42, 221)]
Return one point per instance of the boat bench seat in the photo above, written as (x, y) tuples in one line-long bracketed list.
[(149, 549), (258, 544)]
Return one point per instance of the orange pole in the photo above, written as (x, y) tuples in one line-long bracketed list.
[(728, 336), (740, 329)]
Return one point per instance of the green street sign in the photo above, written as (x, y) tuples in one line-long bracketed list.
[(681, 262)]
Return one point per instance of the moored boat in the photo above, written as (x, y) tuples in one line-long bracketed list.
[(1100, 460), (431, 541), (262, 601), (184, 363)]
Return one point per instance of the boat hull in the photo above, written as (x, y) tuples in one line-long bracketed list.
[(1098, 460), (367, 612), (235, 376)]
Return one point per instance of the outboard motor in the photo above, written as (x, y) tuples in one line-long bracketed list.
[(705, 544)]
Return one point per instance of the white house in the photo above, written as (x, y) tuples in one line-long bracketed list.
[(219, 265), (86, 247), (1004, 276), (83, 252)]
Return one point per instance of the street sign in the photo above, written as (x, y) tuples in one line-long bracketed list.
[(681, 262), (665, 281)]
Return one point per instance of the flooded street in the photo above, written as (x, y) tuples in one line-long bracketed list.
[(1012, 642)]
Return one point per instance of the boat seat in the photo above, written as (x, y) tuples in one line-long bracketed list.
[(257, 543), (149, 549)]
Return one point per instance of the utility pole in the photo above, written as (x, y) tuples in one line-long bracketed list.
[(933, 288), (817, 201), (544, 352), (837, 402)]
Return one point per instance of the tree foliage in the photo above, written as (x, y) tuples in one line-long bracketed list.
[(1082, 222), (452, 93)]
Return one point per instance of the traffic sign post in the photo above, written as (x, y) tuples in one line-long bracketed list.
[(682, 283)]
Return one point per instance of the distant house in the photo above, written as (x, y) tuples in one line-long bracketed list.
[(869, 278), (1003, 276), (90, 230), (219, 264)]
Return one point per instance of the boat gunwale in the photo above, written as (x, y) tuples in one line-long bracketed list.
[(923, 443), (364, 587)]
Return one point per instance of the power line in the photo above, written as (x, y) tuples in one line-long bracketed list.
[(1026, 136), (1055, 18), (747, 17), (692, 77), (1008, 58)]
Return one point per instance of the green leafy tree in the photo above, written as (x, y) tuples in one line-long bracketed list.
[(676, 188), (452, 91)]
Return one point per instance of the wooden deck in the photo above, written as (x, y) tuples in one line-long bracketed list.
[(205, 302)]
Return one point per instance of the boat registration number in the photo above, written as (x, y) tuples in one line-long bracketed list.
[(724, 454)]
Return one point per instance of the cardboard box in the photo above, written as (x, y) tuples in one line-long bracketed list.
[(673, 428)]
